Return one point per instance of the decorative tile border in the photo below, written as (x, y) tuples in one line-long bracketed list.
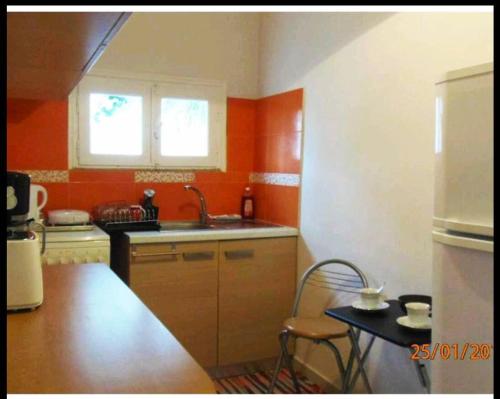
[(146, 176), (48, 176), (279, 179)]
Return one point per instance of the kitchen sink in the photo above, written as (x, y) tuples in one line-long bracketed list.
[(243, 224), (213, 225), (185, 226)]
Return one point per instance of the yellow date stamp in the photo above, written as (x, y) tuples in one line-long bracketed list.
[(464, 351)]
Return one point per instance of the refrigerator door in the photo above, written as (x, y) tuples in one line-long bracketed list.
[(464, 151), (462, 320)]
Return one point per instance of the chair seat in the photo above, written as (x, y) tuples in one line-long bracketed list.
[(316, 328)]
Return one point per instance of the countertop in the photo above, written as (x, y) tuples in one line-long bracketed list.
[(93, 335), (142, 237)]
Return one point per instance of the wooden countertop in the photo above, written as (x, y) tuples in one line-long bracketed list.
[(148, 237), (93, 335)]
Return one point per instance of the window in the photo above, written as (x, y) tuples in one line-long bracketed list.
[(184, 127), (147, 122), (112, 118)]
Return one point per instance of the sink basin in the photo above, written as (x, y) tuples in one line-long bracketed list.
[(242, 224), (214, 225), (185, 226)]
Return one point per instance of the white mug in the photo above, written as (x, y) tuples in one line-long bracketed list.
[(418, 312), (35, 206), (370, 297)]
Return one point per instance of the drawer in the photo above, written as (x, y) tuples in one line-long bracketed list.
[(172, 252)]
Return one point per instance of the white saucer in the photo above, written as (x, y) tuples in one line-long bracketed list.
[(405, 322), (360, 306)]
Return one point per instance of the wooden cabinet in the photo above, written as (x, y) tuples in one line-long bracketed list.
[(225, 301), (256, 292), (178, 283), (49, 52)]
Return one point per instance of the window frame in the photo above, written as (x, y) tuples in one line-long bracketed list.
[(157, 86)]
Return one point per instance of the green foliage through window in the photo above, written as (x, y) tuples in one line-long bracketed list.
[(113, 104)]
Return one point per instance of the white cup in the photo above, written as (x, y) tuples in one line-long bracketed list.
[(370, 297), (35, 206), (418, 312)]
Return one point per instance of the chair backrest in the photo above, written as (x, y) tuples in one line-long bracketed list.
[(348, 278)]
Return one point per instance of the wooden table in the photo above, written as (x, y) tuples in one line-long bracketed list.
[(93, 335)]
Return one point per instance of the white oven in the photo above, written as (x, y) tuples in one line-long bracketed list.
[(76, 246)]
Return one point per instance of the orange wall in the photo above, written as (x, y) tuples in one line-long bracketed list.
[(278, 138), (37, 139)]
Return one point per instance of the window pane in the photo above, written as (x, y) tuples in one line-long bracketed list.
[(115, 124), (184, 127)]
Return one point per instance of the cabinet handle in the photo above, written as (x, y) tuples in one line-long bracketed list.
[(135, 254), (239, 254), (205, 255)]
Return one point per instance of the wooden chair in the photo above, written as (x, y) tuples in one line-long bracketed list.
[(334, 275)]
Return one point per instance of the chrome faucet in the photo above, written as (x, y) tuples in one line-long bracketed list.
[(203, 203)]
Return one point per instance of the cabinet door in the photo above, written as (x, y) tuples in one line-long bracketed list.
[(178, 282), (256, 292)]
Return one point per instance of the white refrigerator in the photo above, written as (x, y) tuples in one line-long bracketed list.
[(462, 311)]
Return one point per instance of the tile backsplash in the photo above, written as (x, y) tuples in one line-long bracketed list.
[(263, 150), (277, 157)]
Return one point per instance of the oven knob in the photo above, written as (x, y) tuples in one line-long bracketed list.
[(63, 261), (100, 259), (88, 259), (75, 259), (50, 261)]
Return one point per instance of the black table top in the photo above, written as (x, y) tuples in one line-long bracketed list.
[(382, 324)]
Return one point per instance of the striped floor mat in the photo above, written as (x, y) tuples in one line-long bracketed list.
[(259, 382)]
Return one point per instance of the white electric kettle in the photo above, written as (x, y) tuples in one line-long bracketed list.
[(35, 206)]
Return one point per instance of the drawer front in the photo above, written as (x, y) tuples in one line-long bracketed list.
[(178, 282), (257, 280), (147, 253)]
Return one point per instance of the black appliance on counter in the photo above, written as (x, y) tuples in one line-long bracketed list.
[(18, 197), (118, 241), (120, 217)]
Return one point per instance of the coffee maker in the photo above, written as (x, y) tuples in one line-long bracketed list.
[(24, 263)]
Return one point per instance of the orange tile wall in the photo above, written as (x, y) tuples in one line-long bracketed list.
[(278, 138), (37, 138)]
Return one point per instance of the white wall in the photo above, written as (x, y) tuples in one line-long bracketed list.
[(367, 179), (222, 46)]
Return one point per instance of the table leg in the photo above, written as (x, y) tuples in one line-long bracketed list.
[(357, 353), (350, 364), (422, 374), (347, 375), (363, 359)]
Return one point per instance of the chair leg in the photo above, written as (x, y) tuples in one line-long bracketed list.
[(340, 363), (284, 350), (276, 372)]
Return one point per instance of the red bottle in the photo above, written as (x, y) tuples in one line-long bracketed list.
[(247, 205)]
